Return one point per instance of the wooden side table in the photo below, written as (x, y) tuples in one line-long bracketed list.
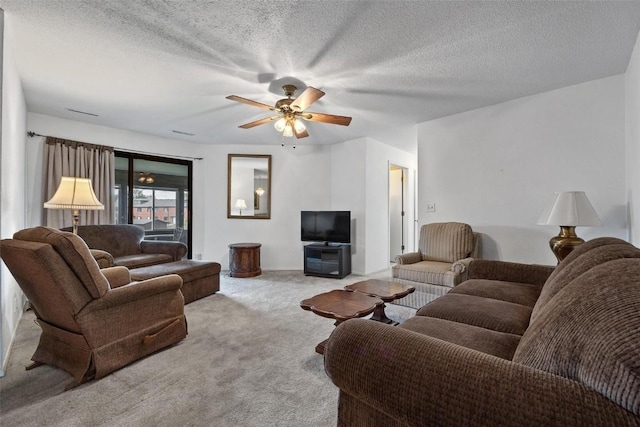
[(244, 259)]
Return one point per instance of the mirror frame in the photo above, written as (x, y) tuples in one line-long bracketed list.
[(230, 159)]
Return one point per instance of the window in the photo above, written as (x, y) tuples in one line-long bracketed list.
[(157, 189)]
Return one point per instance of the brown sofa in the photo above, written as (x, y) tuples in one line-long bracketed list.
[(123, 244), (93, 320), (515, 345)]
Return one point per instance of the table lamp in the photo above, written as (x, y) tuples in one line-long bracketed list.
[(241, 204), (568, 210), (74, 193)]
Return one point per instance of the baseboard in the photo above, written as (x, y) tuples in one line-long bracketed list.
[(5, 357)]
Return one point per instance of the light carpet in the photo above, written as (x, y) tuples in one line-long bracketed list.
[(248, 360)]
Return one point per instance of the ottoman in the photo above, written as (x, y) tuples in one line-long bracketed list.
[(199, 278)]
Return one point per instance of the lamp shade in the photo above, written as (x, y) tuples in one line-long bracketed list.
[(570, 208), (74, 193), (241, 204)]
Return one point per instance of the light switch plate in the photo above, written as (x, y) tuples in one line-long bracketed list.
[(431, 207)]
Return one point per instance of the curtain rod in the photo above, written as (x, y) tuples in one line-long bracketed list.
[(32, 134)]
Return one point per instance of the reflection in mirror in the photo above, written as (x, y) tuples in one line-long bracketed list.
[(249, 186)]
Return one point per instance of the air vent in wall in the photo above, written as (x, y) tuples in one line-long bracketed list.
[(82, 112), (183, 133)]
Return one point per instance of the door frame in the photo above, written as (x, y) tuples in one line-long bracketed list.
[(409, 203)]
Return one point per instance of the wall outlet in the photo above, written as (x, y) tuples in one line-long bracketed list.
[(198, 256), (431, 207)]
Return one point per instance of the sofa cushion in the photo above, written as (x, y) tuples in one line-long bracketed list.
[(437, 273), (595, 255), (117, 239), (498, 344), (588, 332), (486, 313), (75, 253), (142, 260), (518, 293), (446, 242)]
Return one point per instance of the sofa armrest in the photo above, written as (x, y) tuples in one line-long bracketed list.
[(409, 258), (136, 291), (117, 276), (509, 271), (419, 380), (461, 266), (176, 249), (103, 258)]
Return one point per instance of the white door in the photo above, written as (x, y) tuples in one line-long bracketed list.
[(397, 214)]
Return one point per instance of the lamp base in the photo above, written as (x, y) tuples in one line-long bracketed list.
[(565, 242), (76, 220)]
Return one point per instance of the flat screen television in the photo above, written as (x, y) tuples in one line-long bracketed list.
[(325, 226)]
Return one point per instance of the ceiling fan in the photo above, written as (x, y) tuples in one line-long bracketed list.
[(291, 110)]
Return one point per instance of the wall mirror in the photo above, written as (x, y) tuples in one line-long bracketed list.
[(249, 186)]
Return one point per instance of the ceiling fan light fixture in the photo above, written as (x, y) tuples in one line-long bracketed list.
[(299, 126), (288, 129), (291, 111), (280, 124), (146, 178)]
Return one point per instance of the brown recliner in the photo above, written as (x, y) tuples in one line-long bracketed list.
[(93, 321)]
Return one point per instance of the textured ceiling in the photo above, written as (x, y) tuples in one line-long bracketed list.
[(159, 66)]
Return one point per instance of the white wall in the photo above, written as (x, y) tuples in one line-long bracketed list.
[(348, 176), (497, 168), (348, 193), (632, 100), (379, 156), (360, 183), (12, 217), (300, 182)]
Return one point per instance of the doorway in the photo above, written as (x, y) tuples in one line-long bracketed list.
[(398, 230)]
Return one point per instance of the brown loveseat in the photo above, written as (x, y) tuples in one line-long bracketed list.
[(124, 245), (515, 345), (93, 320)]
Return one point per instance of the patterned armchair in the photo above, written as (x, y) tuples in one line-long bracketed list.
[(445, 251), (93, 321)]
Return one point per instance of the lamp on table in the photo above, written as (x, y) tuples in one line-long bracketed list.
[(241, 204), (75, 194), (569, 210)]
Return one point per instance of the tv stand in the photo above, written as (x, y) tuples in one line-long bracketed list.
[(324, 260)]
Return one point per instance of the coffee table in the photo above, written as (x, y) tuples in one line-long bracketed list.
[(386, 290), (340, 305)]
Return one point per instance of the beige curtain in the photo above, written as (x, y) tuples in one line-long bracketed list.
[(78, 159)]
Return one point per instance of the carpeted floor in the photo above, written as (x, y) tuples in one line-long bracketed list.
[(248, 360)]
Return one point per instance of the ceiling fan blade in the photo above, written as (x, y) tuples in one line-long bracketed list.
[(302, 134), (327, 118), (306, 98), (258, 122), (250, 102)]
